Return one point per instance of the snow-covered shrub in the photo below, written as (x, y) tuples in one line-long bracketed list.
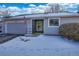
[(70, 30)]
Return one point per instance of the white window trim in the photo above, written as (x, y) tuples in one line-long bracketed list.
[(53, 18)]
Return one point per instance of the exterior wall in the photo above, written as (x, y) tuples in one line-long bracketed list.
[(15, 27), (46, 29), (22, 28), (49, 30), (29, 26), (69, 20), (54, 30)]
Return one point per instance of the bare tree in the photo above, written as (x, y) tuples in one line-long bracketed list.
[(55, 7), (4, 12)]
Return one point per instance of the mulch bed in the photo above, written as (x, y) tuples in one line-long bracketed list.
[(7, 37)]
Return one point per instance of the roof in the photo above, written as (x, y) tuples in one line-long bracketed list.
[(52, 15), (45, 15)]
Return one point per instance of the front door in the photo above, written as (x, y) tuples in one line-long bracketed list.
[(38, 26)]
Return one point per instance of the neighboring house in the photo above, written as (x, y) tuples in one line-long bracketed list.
[(47, 23)]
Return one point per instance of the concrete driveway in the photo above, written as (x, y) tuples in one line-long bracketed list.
[(41, 45)]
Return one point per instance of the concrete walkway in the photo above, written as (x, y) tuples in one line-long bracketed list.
[(40, 46)]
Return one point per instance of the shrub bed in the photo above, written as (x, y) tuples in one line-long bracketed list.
[(70, 30)]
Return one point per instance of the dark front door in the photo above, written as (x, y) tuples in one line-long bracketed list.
[(38, 26)]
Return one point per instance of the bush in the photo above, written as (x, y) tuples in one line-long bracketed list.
[(70, 30)]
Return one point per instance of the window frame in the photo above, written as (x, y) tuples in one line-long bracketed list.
[(54, 25)]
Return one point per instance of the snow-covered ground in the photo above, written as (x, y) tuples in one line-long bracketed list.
[(41, 45)]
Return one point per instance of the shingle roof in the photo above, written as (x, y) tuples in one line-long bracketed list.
[(52, 15), (45, 15)]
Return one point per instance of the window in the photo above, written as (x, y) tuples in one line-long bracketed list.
[(53, 22)]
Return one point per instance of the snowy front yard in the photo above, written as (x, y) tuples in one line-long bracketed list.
[(41, 45)]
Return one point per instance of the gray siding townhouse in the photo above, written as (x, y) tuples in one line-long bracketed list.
[(46, 23)]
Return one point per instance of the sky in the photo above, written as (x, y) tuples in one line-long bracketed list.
[(21, 5), (28, 8)]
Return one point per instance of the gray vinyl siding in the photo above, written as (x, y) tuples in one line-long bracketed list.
[(55, 30), (46, 29), (22, 28), (49, 30), (69, 20), (29, 26)]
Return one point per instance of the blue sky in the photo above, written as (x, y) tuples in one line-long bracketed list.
[(21, 5), (24, 8), (28, 8)]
